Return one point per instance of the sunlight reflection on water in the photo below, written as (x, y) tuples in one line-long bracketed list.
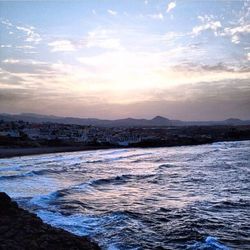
[(172, 198)]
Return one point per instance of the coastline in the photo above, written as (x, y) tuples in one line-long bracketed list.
[(9, 152), (22, 230)]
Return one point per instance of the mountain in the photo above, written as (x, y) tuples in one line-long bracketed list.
[(233, 121), (157, 121)]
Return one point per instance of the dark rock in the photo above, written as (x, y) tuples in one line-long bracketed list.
[(21, 230)]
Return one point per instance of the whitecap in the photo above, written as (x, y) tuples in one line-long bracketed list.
[(209, 243)]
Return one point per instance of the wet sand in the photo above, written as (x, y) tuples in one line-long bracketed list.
[(7, 152)]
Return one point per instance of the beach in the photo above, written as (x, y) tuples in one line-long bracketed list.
[(17, 151), (6, 152)]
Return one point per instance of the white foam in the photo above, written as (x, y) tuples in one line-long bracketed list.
[(77, 224), (43, 200), (211, 243), (112, 247), (116, 151)]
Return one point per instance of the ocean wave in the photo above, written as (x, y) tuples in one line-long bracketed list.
[(116, 151), (173, 198), (44, 200), (164, 166), (119, 158), (94, 225), (113, 180), (33, 173), (19, 175), (11, 168), (95, 161), (84, 186), (77, 224), (210, 243), (226, 204), (120, 179)]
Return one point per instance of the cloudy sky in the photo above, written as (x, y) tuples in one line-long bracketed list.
[(183, 59)]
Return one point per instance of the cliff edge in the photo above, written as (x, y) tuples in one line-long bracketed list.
[(20, 229)]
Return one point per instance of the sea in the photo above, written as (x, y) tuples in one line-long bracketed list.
[(186, 197)]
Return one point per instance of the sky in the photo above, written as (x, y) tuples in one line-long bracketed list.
[(183, 59)]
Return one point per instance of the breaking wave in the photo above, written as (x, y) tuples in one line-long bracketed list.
[(194, 198)]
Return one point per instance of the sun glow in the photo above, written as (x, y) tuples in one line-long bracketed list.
[(124, 56)]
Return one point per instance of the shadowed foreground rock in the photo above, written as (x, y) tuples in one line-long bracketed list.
[(20, 229)]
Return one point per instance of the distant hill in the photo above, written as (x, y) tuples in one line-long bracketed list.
[(157, 121)]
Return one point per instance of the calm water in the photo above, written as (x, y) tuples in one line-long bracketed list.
[(192, 197)]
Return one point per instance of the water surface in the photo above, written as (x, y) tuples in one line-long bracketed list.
[(190, 197)]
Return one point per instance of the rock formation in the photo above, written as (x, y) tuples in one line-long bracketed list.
[(20, 229)]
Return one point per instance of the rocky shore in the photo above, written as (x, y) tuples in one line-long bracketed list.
[(20, 229)]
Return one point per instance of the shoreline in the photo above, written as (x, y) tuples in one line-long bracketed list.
[(9, 152), (21, 230)]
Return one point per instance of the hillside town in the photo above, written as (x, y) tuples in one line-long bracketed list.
[(67, 134), (53, 134)]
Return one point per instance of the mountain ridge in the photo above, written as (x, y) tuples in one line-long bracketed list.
[(157, 121)]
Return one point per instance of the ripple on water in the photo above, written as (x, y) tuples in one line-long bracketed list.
[(191, 197)]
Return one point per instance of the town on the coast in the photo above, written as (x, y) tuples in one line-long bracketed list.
[(21, 133)]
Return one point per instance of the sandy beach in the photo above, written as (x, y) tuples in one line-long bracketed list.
[(6, 152)]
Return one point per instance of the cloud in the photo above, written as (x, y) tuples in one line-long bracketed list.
[(131, 64), (214, 68), (235, 39), (62, 46), (121, 71), (35, 77), (241, 28), (112, 12), (171, 6), (6, 46), (9, 80), (207, 24), (31, 34), (237, 32), (158, 16), (102, 38), (244, 29), (7, 23), (122, 79), (11, 61), (25, 47), (98, 38), (24, 62), (172, 38), (207, 101)]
